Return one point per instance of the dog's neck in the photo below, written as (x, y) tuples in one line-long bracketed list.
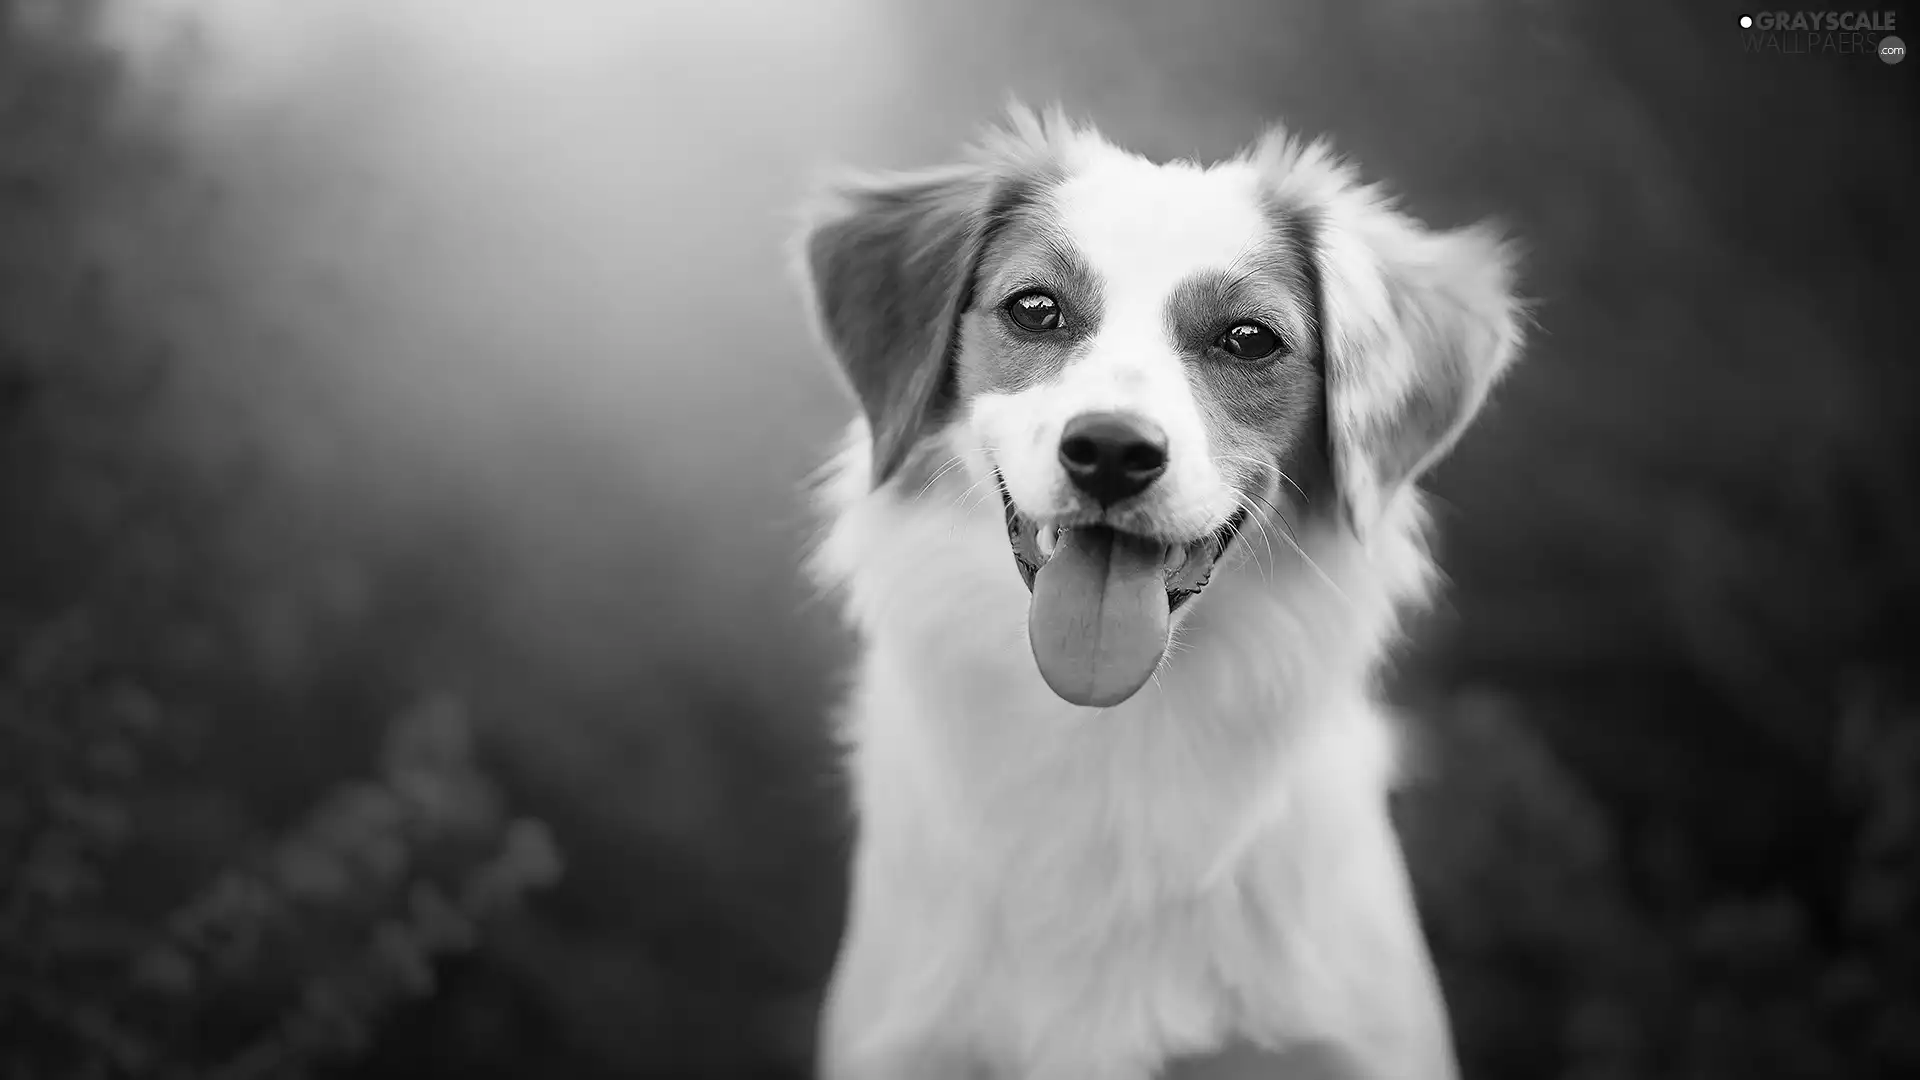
[(1245, 724)]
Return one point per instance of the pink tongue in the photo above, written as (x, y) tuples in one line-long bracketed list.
[(1098, 621)]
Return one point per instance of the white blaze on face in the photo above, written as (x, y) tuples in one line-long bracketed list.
[(1099, 619), (1143, 230)]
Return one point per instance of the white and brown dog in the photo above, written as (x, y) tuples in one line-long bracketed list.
[(1126, 527)]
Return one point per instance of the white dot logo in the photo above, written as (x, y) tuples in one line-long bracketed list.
[(1746, 22)]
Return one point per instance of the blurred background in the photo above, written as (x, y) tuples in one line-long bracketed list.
[(403, 668)]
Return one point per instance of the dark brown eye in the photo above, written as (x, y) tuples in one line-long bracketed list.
[(1249, 341), (1035, 311)]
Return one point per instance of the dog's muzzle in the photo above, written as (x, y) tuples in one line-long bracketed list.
[(1102, 600)]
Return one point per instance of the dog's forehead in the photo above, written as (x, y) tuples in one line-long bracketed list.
[(1142, 225)]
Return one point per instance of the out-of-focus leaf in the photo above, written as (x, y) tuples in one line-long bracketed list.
[(402, 953), (165, 970), (445, 801), (311, 874), (437, 920), (99, 820), (432, 736)]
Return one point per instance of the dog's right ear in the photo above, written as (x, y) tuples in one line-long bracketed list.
[(1418, 324), (889, 261)]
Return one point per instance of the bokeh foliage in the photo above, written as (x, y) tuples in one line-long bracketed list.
[(180, 894), (277, 763)]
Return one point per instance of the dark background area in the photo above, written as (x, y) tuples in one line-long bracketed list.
[(403, 668)]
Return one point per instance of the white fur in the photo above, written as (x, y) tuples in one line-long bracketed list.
[(1143, 228), (1048, 892), (1064, 892)]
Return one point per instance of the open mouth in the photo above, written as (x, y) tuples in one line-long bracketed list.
[(1103, 599)]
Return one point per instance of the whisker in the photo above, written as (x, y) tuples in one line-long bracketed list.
[(1278, 514), (946, 467), (1242, 457), (966, 511), (1240, 258), (956, 461), (1296, 485), (1174, 648), (1281, 518), (1266, 537), (1266, 464), (1286, 527), (1254, 515), (1322, 574), (978, 500)]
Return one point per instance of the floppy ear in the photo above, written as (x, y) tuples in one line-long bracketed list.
[(1417, 325), (890, 262)]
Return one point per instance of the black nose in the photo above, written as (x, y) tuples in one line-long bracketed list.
[(1112, 457)]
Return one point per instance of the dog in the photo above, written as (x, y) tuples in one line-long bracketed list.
[(1125, 524)]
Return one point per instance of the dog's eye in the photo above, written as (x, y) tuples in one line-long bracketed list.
[(1249, 341), (1035, 311)]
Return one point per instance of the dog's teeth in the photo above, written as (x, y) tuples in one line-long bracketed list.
[(1048, 539)]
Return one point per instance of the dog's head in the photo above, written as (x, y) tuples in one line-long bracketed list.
[(1143, 357)]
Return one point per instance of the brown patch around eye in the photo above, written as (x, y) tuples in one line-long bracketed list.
[(1269, 288), (1266, 414), (1027, 256)]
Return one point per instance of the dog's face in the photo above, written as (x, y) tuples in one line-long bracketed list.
[(1141, 354), (1144, 358)]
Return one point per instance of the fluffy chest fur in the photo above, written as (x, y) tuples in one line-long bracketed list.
[(1055, 888)]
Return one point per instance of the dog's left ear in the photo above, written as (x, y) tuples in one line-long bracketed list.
[(1417, 325), (890, 262)]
